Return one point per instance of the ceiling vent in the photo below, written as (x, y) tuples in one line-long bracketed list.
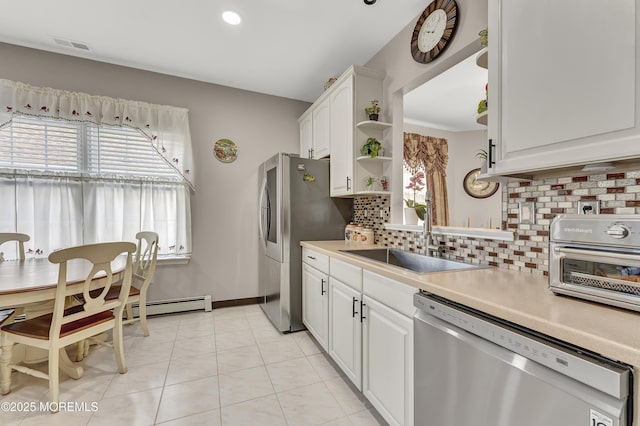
[(72, 44)]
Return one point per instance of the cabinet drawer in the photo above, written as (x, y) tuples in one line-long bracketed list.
[(394, 294), (347, 273), (317, 260)]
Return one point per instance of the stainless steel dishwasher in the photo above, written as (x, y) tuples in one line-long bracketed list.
[(472, 369)]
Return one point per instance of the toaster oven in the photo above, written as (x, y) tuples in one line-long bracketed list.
[(596, 257)]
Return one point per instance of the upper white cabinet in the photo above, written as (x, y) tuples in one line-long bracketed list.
[(342, 137), (321, 130), (329, 128), (564, 85), (314, 131), (306, 134)]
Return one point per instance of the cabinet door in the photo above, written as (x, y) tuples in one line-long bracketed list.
[(345, 331), (342, 130), (567, 94), (315, 306), (321, 130), (387, 366), (306, 135)]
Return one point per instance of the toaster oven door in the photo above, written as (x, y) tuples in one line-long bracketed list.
[(606, 276)]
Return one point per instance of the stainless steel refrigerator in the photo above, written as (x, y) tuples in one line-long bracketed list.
[(294, 205)]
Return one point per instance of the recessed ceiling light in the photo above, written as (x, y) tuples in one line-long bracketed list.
[(231, 18)]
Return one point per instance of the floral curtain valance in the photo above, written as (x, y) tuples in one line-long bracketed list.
[(425, 152), (167, 127)]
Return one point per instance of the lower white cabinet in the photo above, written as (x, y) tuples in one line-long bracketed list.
[(387, 362), (370, 330), (315, 304), (345, 330)]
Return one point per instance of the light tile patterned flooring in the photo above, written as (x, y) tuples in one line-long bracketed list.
[(226, 367)]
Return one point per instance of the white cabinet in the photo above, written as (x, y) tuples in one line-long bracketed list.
[(314, 131), (342, 129), (315, 295), (567, 95), (370, 330), (345, 330), (350, 95), (306, 134), (387, 347), (321, 130), (315, 304)]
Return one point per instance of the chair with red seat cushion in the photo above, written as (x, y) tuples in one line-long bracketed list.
[(96, 314)]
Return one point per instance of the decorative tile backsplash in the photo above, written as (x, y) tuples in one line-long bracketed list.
[(618, 193)]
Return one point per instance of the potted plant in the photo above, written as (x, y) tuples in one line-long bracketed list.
[(372, 148), (373, 110), (482, 155), (413, 210), (369, 182)]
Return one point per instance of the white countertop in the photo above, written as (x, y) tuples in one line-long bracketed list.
[(519, 297)]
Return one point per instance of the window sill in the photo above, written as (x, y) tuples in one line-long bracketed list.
[(485, 233), (174, 260)]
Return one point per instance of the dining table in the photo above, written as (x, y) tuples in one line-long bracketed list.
[(30, 286)]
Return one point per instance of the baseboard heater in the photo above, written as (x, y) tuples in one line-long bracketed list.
[(170, 306)]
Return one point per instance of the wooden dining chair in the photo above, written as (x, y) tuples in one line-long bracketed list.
[(143, 270), (96, 314), (15, 236)]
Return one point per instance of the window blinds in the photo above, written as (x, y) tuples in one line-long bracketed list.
[(50, 145)]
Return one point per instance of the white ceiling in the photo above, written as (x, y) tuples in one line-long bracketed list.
[(450, 100), (285, 48)]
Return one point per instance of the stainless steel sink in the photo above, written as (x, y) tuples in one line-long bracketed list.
[(411, 261)]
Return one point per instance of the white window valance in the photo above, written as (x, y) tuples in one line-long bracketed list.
[(166, 127)]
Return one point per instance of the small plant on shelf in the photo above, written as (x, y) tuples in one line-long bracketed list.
[(369, 182), (371, 148), (373, 110)]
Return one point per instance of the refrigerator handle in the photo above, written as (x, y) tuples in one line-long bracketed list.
[(261, 207)]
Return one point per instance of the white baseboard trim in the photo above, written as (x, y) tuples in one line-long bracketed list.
[(169, 306)]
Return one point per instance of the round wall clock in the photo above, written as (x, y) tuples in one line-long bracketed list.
[(434, 30), (478, 188)]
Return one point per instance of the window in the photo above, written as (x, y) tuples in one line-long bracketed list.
[(68, 183)]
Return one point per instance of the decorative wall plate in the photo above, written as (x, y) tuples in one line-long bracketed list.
[(225, 150), (478, 188)]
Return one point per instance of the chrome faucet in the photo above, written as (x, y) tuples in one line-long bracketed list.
[(427, 223)]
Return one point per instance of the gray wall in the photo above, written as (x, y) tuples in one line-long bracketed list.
[(224, 204), (404, 74)]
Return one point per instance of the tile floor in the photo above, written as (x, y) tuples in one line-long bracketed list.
[(226, 367)]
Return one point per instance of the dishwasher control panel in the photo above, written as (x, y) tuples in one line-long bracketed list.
[(570, 363)]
